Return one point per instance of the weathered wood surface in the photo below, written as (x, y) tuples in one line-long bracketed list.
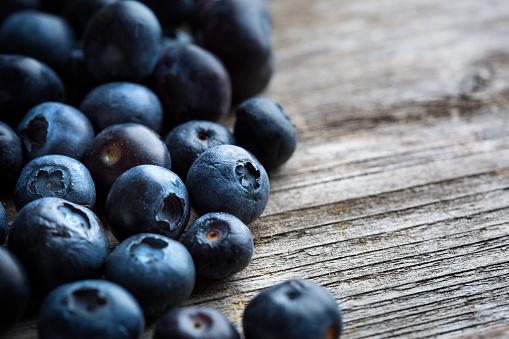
[(397, 197)]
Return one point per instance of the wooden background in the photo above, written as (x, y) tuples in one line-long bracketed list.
[(396, 198)]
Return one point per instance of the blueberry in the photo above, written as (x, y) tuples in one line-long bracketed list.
[(58, 242), (12, 157), (24, 83), (239, 33), (190, 139), (296, 308), (4, 224), (170, 13), (148, 199), (55, 176), (220, 244), (195, 323), (157, 270), (263, 129), (122, 42), (55, 128), (118, 148), (121, 102), (228, 178), (15, 290), (90, 309), (43, 36), (192, 84)]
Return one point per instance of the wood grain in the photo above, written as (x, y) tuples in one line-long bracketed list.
[(397, 197)]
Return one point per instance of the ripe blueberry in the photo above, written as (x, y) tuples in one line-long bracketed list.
[(195, 323), (58, 242), (296, 308), (220, 244), (190, 139), (121, 102), (55, 128), (228, 178), (158, 271), (262, 128), (118, 148), (88, 309), (148, 199), (55, 176)]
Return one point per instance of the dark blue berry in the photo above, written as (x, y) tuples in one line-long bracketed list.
[(24, 83), (89, 309), (12, 157), (42, 36), (228, 178), (122, 42), (148, 199), (263, 129), (58, 242), (296, 308), (195, 323), (238, 32), (15, 290), (55, 176), (122, 102), (190, 139), (157, 270), (4, 224), (192, 84), (118, 148), (55, 128), (220, 244)]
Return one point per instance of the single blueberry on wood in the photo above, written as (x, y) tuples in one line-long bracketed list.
[(228, 178), (88, 309), (190, 139), (55, 176), (148, 199), (220, 244), (297, 308), (158, 271), (15, 289), (263, 129), (195, 323), (55, 128), (58, 242)]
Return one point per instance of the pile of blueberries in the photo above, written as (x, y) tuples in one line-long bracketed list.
[(87, 89)]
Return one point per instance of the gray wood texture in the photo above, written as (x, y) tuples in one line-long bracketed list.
[(396, 198)]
